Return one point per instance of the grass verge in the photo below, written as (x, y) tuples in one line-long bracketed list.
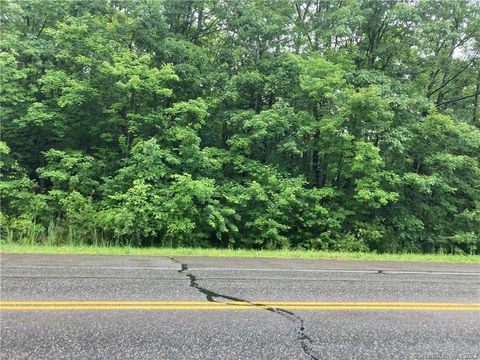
[(298, 254)]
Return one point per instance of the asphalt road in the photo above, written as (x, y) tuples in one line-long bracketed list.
[(95, 307)]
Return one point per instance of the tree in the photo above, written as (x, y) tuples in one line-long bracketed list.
[(347, 124)]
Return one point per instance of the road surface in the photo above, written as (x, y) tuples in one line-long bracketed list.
[(96, 307)]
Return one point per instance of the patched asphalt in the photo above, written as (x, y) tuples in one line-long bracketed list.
[(236, 334)]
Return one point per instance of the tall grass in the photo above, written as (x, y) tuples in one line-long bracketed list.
[(109, 249), (60, 237), (57, 233)]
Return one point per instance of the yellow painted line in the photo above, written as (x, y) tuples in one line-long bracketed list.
[(296, 303), (234, 305)]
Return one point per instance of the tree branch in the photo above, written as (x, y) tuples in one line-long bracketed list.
[(458, 99), (445, 82)]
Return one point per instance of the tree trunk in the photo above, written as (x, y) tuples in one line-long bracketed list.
[(475, 119)]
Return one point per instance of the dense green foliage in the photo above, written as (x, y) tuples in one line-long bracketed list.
[(343, 125)]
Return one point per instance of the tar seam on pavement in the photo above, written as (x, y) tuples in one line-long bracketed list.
[(305, 341)]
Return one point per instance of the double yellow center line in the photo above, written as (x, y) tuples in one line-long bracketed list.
[(233, 305)]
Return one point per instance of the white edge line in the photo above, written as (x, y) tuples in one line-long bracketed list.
[(386, 272)]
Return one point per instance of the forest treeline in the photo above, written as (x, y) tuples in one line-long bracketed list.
[(342, 124)]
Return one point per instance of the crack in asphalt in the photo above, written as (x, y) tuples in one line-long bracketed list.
[(306, 342)]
